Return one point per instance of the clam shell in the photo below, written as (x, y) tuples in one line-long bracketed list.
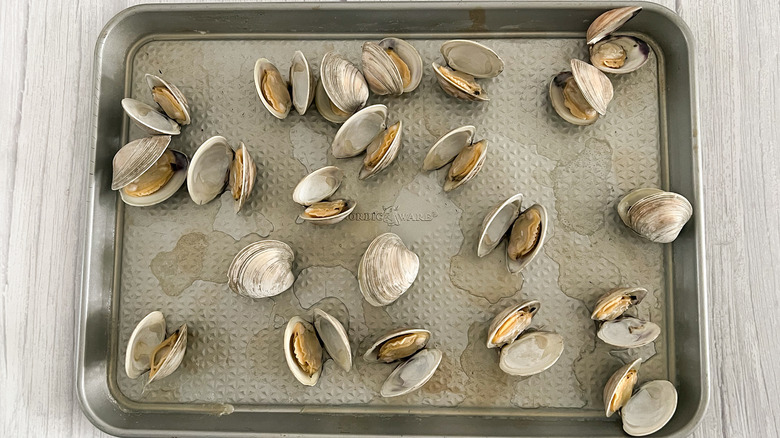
[(628, 332), (602, 311), (169, 189), (371, 354), (175, 356), (388, 157), (472, 58), (531, 353), (448, 146), (408, 55), (334, 338), (289, 355), (323, 104), (249, 172), (302, 82), (637, 54), (318, 185), (387, 270), (358, 131), (149, 119), (557, 84), (654, 214), (262, 66), (451, 184), (456, 90), (209, 170), (331, 219), (344, 84), (595, 85), (262, 269), (515, 266), (136, 157), (609, 22), (412, 374), (146, 336), (616, 384), (155, 81), (530, 306), (497, 222), (380, 71), (650, 408)]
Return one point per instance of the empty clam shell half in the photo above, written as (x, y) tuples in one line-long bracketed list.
[(149, 119), (343, 83), (412, 374), (262, 269), (609, 22), (654, 214), (472, 58), (150, 349), (619, 54), (526, 238), (531, 353), (458, 84), (650, 408), (628, 332), (170, 98), (272, 89), (302, 82), (618, 389), (397, 344), (334, 338), (615, 302), (497, 222), (215, 167), (302, 351), (387, 270), (318, 185), (382, 150), (511, 322), (359, 131)]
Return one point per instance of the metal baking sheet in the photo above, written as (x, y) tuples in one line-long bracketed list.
[(173, 257)]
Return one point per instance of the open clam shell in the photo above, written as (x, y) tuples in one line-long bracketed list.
[(472, 58), (302, 351), (359, 131), (343, 82), (448, 146), (318, 185), (387, 270), (412, 374), (609, 22), (511, 322), (497, 222), (169, 189), (618, 389), (146, 336), (654, 214), (146, 173), (628, 332), (397, 344), (527, 234), (170, 98), (410, 56), (380, 71), (171, 355), (242, 176), (619, 54), (386, 146), (209, 170), (594, 84), (272, 89), (558, 101), (531, 353), (334, 338), (615, 302), (458, 84), (302, 82), (650, 408), (149, 119), (262, 269), (326, 108), (471, 158), (330, 220), (136, 157)]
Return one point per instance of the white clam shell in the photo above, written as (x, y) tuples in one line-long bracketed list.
[(334, 338), (318, 185), (289, 355), (634, 294), (654, 214), (380, 71), (412, 374), (472, 58), (650, 408), (149, 118), (155, 81), (136, 157), (448, 146), (609, 22), (530, 306), (169, 189), (497, 222), (387, 270), (531, 353), (302, 82), (359, 131), (371, 354), (515, 266), (557, 83), (262, 66), (628, 332), (209, 169), (174, 357), (390, 155), (410, 56), (262, 269), (343, 82), (637, 54), (616, 383), (594, 84), (146, 336)]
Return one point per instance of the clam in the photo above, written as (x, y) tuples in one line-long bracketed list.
[(531, 353), (412, 374), (367, 131), (262, 269), (628, 332), (649, 408), (615, 302), (170, 99), (618, 389), (326, 108), (151, 349), (397, 344), (387, 270), (302, 83), (467, 157), (458, 84), (303, 350), (654, 214), (343, 83), (580, 95), (146, 172), (465, 61), (215, 167), (392, 66), (510, 323), (149, 118), (312, 192), (616, 53), (272, 89), (496, 224)]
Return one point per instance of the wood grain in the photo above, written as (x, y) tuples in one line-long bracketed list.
[(47, 48)]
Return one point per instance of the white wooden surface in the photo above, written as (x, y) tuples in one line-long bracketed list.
[(46, 50)]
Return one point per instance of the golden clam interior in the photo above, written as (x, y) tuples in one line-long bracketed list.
[(237, 174), (576, 103), (463, 81), (466, 160), (525, 234), (275, 90), (610, 55), (160, 353), (623, 391), (325, 209), (406, 74), (169, 104), (521, 318), (613, 307), (401, 346), (154, 178), (375, 153), (307, 350)]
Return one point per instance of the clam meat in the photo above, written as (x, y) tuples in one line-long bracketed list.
[(313, 192), (304, 352), (616, 54), (615, 302), (467, 157), (465, 61), (397, 344), (579, 96), (510, 323), (367, 131)]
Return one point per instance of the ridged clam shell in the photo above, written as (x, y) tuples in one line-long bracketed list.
[(650, 408), (387, 270), (594, 84), (262, 269), (616, 383), (343, 82), (136, 157), (654, 214), (609, 22), (323, 104), (530, 306), (149, 118), (410, 56), (380, 71), (169, 189)]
